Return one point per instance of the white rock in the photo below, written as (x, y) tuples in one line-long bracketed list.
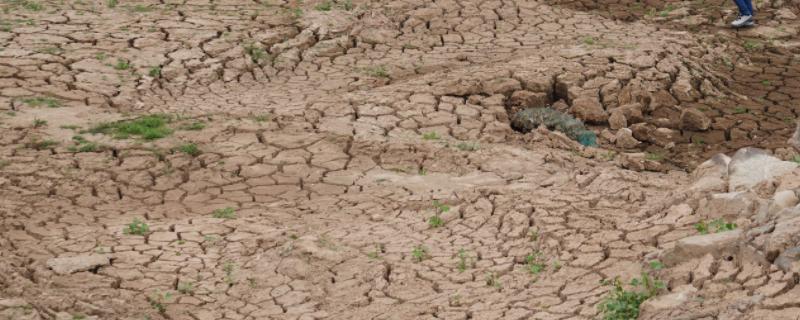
[(716, 244), (68, 265), (751, 166)]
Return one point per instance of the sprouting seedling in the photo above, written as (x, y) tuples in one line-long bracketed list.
[(228, 268), (463, 260), (440, 207), (535, 263), (491, 280), (430, 136), (224, 213), (419, 253), (137, 227)]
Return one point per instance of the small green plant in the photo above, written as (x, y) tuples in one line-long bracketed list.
[(324, 6), (419, 253), (141, 8), (740, 110), (796, 159), (70, 127), (38, 123), (154, 72), (588, 40), (194, 126), (697, 141), (492, 281), (83, 145), (377, 71), (137, 227), (463, 146), (257, 53), (346, 5), (42, 144), (463, 260), (4, 163), (535, 263), (440, 207), (42, 101), (224, 213), (751, 45), (430, 136), (112, 3), (435, 221), (78, 317), (262, 118), (186, 287), (654, 156), (529, 119), (149, 127), (228, 268), (375, 254), (656, 265), (718, 225), (158, 300), (765, 82), (101, 56), (623, 304), (122, 64), (190, 149)]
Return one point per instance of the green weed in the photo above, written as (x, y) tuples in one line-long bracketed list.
[(194, 126), (190, 149), (435, 221), (419, 253), (224, 213), (38, 123), (122, 64), (492, 281), (654, 156), (42, 144), (42, 101), (718, 225), (324, 6), (796, 159), (186, 287), (430, 136), (149, 127), (463, 260), (154, 72), (257, 54), (535, 263), (158, 300), (112, 3), (589, 40), (137, 227), (228, 268), (740, 110), (622, 304), (377, 71), (463, 146)]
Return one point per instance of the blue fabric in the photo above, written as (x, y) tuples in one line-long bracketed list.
[(745, 7)]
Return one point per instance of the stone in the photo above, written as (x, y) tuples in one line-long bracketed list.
[(729, 205), (717, 244), (528, 99), (711, 175), (617, 120), (663, 136), (782, 200), (694, 120), (751, 166), (589, 110), (68, 265), (785, 235), (789, 260), (794, 141), (656, 305), (624, 139)]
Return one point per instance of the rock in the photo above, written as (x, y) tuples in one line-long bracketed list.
[(632, 112), (785, 235), (794, 141), (694, 120), (717, 244), (501, 86), (663, 136), (789, 260), (68, 265), (730, 205), (662, 303), (624, 139), (589, 110), (528, 99), (782, 200), (639, 162), (751, 166), (711, 175), (617, 120), (642, 131)]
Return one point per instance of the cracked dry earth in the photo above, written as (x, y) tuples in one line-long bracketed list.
[(335, 131)]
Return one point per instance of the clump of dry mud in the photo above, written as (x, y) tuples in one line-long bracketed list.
[(355, 160)]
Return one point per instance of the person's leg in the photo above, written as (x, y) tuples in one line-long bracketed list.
[(743, 9), (749, 4)]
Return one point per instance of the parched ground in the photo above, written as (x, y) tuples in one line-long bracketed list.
[(354, 160)]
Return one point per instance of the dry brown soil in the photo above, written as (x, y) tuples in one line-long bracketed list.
[(333, 133)]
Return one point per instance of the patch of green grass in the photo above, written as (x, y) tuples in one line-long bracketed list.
[(419, 253), (589, 40), (136, 227), (623, 304), (25, 4), (377, 71), (224, 213), (256, 53), (463, 260), (42, 101), (101, 56), (158, 300), (228, 268), (796, 159), (149, 127), (751, 45), (42, 144), (141, 8), (718, 225), (194, 126), (324, 6), (70, 127), (535, 263), (186, 287), (463, 146), (433, 135), (435, 221), (50, 50), (346, 5), (740, 110), (154, 72), (78, 317), (122, 64), (112, 3), (38, 123), (654, 156), (83, 145), (765, 82), (190, 149)]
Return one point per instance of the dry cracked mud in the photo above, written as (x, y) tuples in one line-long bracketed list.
[(355, 159)]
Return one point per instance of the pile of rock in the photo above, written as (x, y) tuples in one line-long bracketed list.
[(747, 265)]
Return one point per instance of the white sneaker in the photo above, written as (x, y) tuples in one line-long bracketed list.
[(742, 21)]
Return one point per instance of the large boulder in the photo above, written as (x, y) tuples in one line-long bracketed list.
[(717, 244), (751, 166), (694, 120), (589, 110)]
